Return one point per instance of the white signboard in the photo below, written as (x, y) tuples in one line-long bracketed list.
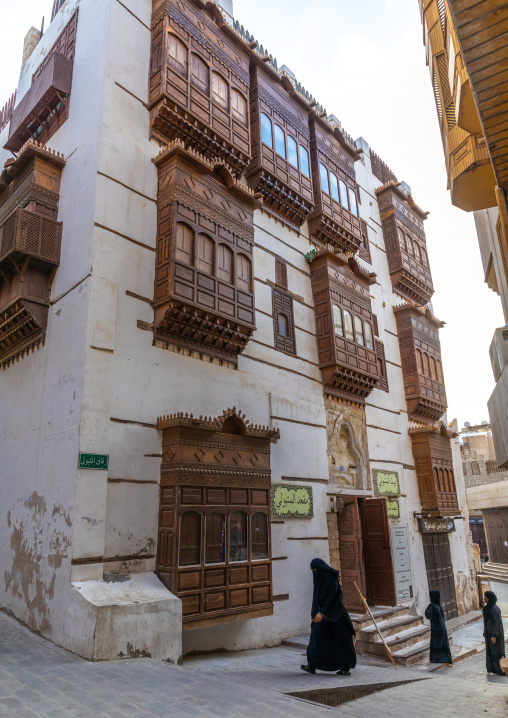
[(401, 563)]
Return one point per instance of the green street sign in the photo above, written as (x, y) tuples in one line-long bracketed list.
[(386, 483), (288, 501), (93, 461)]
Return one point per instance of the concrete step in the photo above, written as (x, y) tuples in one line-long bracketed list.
[(391, 627), (404, 639), (418, 653), (459, 653), (496, 571), (380, 613)]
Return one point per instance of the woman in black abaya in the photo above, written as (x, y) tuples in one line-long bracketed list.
[(493, 633), (331, 646), (439, 645)]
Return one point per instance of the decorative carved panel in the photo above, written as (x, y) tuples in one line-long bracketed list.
[(434, 469), (214, 518), (30, 238), (199, 84), (279, 170), (347, 353), (335, 219), (405, 243), (204, 279), (420, 352), (45, 105)]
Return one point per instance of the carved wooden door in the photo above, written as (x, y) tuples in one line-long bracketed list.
[(438, 562), (496, 528), (379, 573), (351, 555)]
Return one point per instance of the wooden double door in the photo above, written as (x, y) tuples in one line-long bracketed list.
[(365, 553), (438, 562), (496, 528)]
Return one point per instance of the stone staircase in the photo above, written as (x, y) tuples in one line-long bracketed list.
[(496, 571), (405, 635)]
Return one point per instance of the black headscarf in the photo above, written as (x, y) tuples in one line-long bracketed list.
[(327, 595), (435, 597), (490, 605)]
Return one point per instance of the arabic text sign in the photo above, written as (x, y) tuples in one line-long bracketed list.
[(386, 483), (393, 509), (288, 501), (401, 563), (93, 461)]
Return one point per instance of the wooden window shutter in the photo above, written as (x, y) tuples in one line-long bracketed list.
[(381, 361), (364, 250), (376, 326), (281, 273), (283, 322)]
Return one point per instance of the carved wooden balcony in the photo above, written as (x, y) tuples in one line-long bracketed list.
[(47, 96), (420, 351), (199, 84), (335, 218), (204, 284), (280, 169), (347, 351), (405, 243), (30, 238), (432, 453)]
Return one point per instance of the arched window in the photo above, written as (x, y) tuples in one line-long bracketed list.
[(219, 90), (259, 536), (343, 194), (199, 74), (439, 372), (266, 130), (323, 175), (177, 56), (215, 538), (190, 539), (304, 161), (475, 468), (419, 365), (237, 537), (359, 331), (402, 239), (292, 151), (337, 321), (425, 258), (225, 261), (184, 244), (348, 325), (433, 372), (442, 486), (418, 253), (283, 324), (453, 487), (353, 202), (410, 247), (243, 273), (206, 248), (436, 479), (334, 185), (238, 106), (426, 365), (369, 339), (280, 141)]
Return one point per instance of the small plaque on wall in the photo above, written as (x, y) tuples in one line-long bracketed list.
[(93, 461), (393, 509), (288, 501), (386, 483)]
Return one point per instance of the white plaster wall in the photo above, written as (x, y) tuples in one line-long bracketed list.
[(44, 390)]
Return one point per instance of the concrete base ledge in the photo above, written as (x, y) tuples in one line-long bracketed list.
[(132, 616)]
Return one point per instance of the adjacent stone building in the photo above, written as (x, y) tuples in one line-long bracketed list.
[(219, 358)]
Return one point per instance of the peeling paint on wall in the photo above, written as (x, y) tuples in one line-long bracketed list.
[(39, 541)]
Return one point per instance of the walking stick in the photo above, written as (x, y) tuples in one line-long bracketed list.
[(367, 610)]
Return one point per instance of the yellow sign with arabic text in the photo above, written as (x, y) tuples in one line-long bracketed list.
[(288, 501), (386, 483)]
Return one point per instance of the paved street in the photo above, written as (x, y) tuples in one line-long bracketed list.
[(38, 679)]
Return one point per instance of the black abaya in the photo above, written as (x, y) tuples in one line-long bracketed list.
[(493, 625), (331, 646), (439, 644)]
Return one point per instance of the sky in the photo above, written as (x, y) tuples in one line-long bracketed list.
[(364, 61)]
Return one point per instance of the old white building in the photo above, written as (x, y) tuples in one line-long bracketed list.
[(218, 358)]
